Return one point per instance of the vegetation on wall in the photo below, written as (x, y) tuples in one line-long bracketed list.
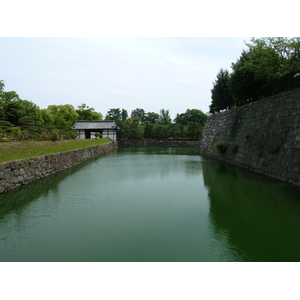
[(221, 147)]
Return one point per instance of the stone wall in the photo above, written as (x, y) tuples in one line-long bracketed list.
[(157, 143), (263, 136), (19, 172)]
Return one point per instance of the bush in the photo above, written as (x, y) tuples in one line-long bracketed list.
[(221, 147), (98, 135), (54, 135), (235, 148)]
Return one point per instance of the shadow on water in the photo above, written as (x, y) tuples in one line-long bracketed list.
[(16, 200), (253, 214)]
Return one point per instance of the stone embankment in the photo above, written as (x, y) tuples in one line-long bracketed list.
[(157, 143), (263, 136), (19, 172)]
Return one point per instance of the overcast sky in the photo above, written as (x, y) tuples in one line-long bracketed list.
[(149, 73)]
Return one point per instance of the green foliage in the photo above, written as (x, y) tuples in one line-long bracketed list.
[(124, 114), (138, 112), (149, 130), (63, 116), (54, 135), (220, 94), (269, 66), (235, 148), (221, 147), (98, 135), (150, 118), (191, 115), (164, 117), (114, 114), (194, 129), (16, 133), (88, 113)]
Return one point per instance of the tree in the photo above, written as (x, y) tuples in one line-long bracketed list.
[(138, 112), (194, 129), (220, 94), (47, 117), (191, 115), (2, 85), (268, 67), (174, 130), (148, 132), (150, 118), (164, 117), (16, 133), (124, 115), (88, 113), (114, 114), (63, 116)]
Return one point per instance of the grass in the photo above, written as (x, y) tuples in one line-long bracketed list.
[(20, 150)]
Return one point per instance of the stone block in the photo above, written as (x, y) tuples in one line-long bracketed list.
[(12, 179)]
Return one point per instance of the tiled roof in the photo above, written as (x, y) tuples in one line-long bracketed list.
[(94, 125)]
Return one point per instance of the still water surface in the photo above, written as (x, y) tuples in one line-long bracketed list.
[(151, 204)]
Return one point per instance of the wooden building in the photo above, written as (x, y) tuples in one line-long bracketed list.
[(87, 129)]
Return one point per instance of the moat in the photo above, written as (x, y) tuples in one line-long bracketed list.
[(151, 204)]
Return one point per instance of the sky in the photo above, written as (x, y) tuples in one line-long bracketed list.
[(174, 73)]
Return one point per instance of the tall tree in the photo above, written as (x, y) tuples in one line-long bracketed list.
[(164, 117), (88, 113), (114, 114), (138, 112), (124, 114), (63, 116), (191, 115), (268, 67), (150, 118), (220, 94)]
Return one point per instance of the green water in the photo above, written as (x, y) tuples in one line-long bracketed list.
[(151, 204)]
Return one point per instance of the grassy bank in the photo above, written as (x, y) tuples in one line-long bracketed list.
[(20, 150)]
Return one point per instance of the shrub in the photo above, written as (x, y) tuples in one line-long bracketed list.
[(98, 135), (54, 135), (235, 148), (221, 147)]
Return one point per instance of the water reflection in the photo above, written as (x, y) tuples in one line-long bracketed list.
[(257, 217), (151, 204), (16, 200)]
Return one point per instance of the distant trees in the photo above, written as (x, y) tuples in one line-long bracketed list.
[(138, 112), (269, 66), (190, 115), (88, 113), (153, 125), (22, 119)]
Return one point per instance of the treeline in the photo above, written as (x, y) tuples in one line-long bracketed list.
[(150, 125), (22, 119), (269, 66)]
